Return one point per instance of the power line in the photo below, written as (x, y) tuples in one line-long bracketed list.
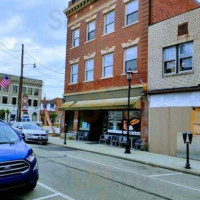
[(9, 54), (42, 64), (13, 50)]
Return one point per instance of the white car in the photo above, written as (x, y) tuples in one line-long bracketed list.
[(32, 132)]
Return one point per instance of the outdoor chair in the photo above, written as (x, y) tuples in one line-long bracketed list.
[(122, 140), (83, 136), (140, 143), (104, 138), (115, 140)]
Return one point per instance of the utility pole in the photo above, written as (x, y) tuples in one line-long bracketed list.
[(19, 113)]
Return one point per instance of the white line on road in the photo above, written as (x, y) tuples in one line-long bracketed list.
[(56, 192), (179, 185), (172, 174), (46, 197)]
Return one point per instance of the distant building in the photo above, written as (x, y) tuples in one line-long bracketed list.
[(9, 98), (52, 106)]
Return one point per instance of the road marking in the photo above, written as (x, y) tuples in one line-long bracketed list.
[(46, 197), (172, 174), (56, 192), (195, 189)]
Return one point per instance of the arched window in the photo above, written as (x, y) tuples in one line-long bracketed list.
[(34, 117)]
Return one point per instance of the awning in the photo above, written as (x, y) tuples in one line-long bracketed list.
[(185, 99), (103, 104)]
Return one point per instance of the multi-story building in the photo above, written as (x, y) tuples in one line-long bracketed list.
[(52, 106), (9, 97), (174, 75), (104, 38)]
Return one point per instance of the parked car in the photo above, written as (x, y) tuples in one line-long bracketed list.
[(18, 164), (32, 132)]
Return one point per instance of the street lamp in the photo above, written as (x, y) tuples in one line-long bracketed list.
[(187, 138), (129, 73)]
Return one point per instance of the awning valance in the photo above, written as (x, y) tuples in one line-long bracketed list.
[(103, 104)]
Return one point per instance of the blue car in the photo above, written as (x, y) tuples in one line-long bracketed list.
[(18, 164)]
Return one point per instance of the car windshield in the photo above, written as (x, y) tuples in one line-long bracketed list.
[(8, 135), (31, 127)]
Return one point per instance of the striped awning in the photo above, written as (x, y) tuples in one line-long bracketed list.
[(103, 104)]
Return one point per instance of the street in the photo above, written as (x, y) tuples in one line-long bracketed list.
[(77, 175)]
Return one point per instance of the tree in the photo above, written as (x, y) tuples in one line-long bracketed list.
[(2, 114), (7, 113), (53, 117)]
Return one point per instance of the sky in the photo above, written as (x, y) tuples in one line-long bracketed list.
[(41, 26)]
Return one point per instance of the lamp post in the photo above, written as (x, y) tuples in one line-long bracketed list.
[(129, 79), (187, 138)]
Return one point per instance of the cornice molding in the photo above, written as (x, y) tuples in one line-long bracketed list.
[(90, 56), (75, 26), (108, 50), (130, 43), (108, 9), (77, 6), (91, 18), (74, 61)]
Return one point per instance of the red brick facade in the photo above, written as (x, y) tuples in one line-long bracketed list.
[(165, 9), (121, 35)]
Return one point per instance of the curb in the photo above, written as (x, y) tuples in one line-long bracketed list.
[(134, 160)]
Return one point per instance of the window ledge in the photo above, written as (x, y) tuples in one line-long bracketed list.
[(131, 24), (108, 77), (178, 74), (89, 41), (105, 34), (88, 81), (75, 47), (72, 83)]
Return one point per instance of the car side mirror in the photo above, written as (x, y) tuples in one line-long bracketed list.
[(20, 127)]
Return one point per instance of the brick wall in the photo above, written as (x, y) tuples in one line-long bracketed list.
[(164, 34), (121, 35), (165, 9)]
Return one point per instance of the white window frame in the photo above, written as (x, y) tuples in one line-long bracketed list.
[(103, 67), (86, 80), (87, 34), (105, 25), (74, 39), (124, 70), (126, 22), (71, 75)]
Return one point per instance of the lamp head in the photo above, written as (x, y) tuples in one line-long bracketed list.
[(34, 65), (185, 137)]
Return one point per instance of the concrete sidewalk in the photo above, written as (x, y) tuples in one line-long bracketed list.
[(163, 161)]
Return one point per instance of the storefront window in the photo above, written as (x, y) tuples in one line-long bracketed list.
[(84, 126), (115, 121)]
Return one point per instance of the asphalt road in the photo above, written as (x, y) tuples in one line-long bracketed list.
[(78, 175)]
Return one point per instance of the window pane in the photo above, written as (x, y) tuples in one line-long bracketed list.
[(89, 75), (131, 18), (186, 50), (108, 71), (74, 69), (110, 28), (76, 33), (76, 42), (110, 17), (91, 35), (131, 7), (75, 78), (169, 67), (89, 64), (91, 26), (131, 65), (186, 64), (108, 60), (131, 53), (170, 54)]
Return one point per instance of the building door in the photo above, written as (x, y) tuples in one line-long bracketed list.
[(69, 120), (34, 117)]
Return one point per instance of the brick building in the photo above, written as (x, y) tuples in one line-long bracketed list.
[(173, 75), (104, 37)]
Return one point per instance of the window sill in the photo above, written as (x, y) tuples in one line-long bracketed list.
[(108, 77), (89, 41), (72, 83), (178, 74), (88, 81), (105, 34), (130, 24), (74, 47)]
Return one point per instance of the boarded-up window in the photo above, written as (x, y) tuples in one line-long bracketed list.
[(183, 29)]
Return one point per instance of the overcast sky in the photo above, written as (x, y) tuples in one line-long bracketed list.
[(41, 26)]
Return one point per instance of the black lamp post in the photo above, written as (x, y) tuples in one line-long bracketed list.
[(129, 79), (187, 138)]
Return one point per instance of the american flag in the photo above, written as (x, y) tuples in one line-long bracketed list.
[(5, 82)]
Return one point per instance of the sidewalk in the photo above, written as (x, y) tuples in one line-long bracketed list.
[(163, 161)]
